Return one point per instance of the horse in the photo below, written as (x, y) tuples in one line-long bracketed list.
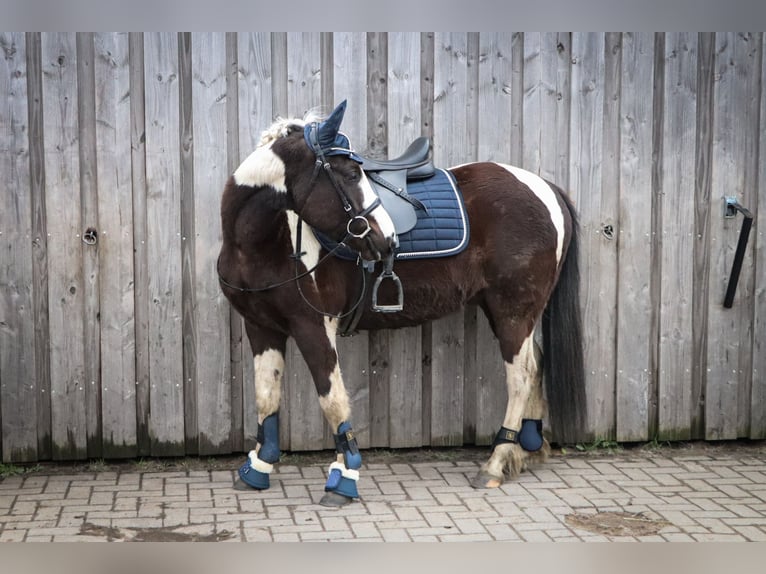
[(520, 266)]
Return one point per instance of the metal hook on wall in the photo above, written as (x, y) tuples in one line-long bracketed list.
[(731, 207)]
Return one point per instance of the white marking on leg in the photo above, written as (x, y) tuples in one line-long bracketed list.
[(521, 375), (309, 243), (269, 367), (262, 167), (335, 404), (544, 192)]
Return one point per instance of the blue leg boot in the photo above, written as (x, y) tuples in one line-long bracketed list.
[(341, 482), (255, 472), (531, 435)]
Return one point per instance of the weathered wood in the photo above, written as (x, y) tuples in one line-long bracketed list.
[(307, 424), (140, 247), (592, 166), (635, 237), (347, 75), (163, 205), (735, 140), (213, 370), (86, 121), (188, 244), (587, 111), (65, 284), (702, 211), (115, 245), (758, 395), (451, 147), (18, 385), (33, 45), (255, 88), (676, 202)]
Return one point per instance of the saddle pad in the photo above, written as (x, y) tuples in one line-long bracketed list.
[(442, 232)]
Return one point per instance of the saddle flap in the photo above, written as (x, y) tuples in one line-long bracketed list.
[(402, 212)]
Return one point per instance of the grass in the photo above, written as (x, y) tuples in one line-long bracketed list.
[(599, 445), (7, 470)]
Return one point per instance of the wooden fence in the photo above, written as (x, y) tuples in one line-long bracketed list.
[(126, 348)]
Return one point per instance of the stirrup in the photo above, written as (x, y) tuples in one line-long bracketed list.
[(388, 273)]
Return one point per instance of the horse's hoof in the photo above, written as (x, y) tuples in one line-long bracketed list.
[(242, 485), (486, 480), (335, 500)]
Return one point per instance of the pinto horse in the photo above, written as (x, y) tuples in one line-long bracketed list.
[(520, 266)]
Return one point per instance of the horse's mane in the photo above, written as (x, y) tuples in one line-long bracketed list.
[(282, 126)]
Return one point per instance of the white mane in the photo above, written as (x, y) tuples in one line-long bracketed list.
[(280, 127)]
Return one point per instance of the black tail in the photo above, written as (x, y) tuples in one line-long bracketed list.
[(562, 347)]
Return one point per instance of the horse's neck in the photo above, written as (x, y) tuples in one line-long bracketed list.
[(251, 217)]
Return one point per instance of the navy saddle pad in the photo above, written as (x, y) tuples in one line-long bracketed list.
[(441, 232)]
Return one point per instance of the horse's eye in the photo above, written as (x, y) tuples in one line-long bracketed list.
[(353, 176)]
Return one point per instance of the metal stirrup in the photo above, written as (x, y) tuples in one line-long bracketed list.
[(388, 273)]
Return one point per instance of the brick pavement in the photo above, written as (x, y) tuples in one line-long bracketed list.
[(628, 496)]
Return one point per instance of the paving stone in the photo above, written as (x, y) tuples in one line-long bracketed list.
[(702, 497)]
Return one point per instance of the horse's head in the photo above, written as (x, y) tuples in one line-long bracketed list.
[(312, 163)]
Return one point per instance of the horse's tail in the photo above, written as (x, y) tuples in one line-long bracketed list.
[(562, 346)]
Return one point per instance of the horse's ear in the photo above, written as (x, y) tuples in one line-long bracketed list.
[(328, 129)]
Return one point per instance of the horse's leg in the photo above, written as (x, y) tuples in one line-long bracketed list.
[(269, 365), (519, 435), (318, 347)]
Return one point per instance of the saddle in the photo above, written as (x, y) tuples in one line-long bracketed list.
[(389, 179)]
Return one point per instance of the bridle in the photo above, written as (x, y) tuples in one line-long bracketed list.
[(322, 163), (355, 218)]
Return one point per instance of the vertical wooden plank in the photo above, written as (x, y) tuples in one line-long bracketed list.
[(86, 111), (758, 395), (735, 140), (255, 115), (676, 202), (377, 147), (495, 115), (591, 167), (163, 204), (635, 237), (703, 207), (142, 302), (451, 146), (238, 349), (213, 370), (33, 45), (115, 247), (404, 345), (188, 277), (18, 384), (65, 283), (349, 74), (303, 94), (560, 174), (609, 212)]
